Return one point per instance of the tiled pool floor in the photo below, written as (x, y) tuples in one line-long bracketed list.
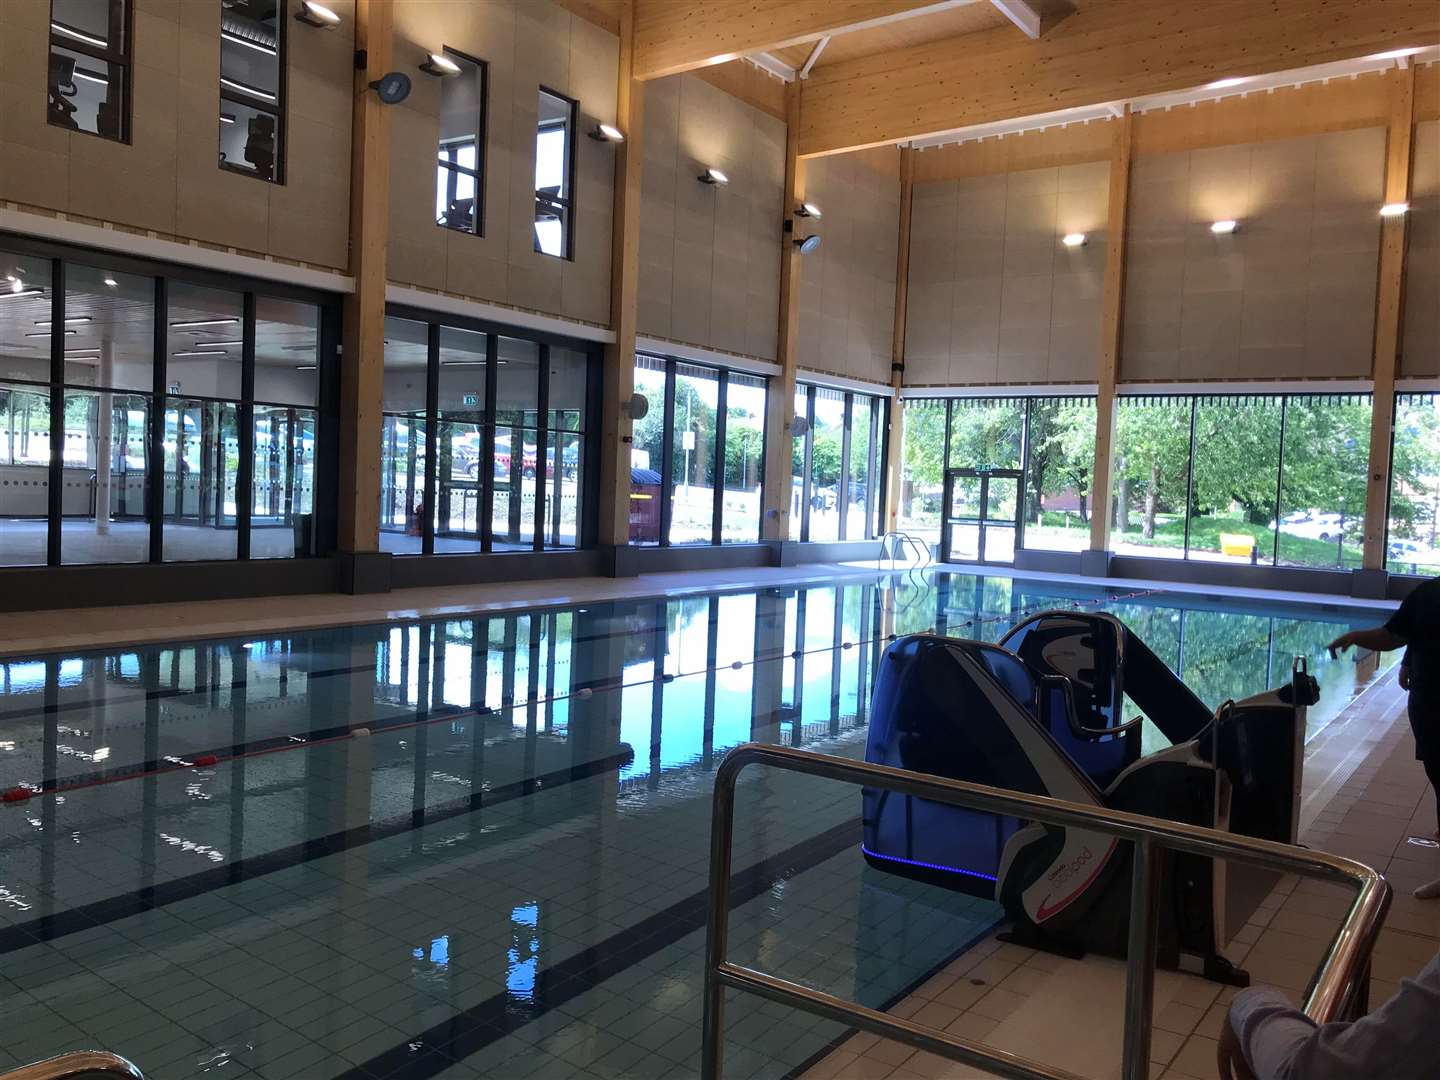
[(477, 845)]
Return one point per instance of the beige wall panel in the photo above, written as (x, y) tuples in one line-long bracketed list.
[(525, 44), (167, 178), (1290, 294), (710, 255), (1420, 329), (995, 297)]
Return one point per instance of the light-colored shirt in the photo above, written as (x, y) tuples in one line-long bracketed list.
[(1395, 1042)]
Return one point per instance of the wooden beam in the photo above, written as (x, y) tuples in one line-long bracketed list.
[(1111, 318), (1109, 51), (894, 459), (618, 384), (362, 360), (1021, 14), (1399, 145), (672, 36), (780, 402)]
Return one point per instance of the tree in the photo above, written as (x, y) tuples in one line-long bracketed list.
[(1152, 442)]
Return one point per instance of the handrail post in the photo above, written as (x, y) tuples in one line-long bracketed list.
[(1140, 957), (722, 828)]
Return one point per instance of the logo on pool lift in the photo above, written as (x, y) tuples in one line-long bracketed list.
[(1061, 877)]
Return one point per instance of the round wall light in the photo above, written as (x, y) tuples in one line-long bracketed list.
[(806, 244)]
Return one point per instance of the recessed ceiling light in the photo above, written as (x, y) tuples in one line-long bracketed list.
[(111, 282), (1226, 226), (1225, 84), (1394, 209), (210, 344), (200, 352), (607, 133), (317, 15), (713, 176), (203, 322), (1074, 239), (68, 319), (18, 289), (226, 118), (47, 333), (258, 46), (440, 65), (246, 88), (82, 352), (1396, 54), (71, 32), (306, 367)]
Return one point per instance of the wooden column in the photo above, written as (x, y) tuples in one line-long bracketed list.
[(1111, 318), (619, 376), (780, 403), (894, 462), (1399, 141), (362, 360)]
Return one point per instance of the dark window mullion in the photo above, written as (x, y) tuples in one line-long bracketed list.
[(56, 471), (807, 486), (245, 433), (155, 474), (842, 487), (432, 439), (542, 439), (718, 458), (667, 455), (487, 445)]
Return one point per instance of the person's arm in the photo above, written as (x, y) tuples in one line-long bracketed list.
[(1276, 1041), (1377, 639), (1405, 671)]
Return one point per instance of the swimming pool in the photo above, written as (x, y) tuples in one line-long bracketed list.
[(477, 845)]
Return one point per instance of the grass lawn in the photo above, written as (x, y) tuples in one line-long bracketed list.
[(1205, 536)]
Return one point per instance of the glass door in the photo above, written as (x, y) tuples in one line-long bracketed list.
[(982, 516)]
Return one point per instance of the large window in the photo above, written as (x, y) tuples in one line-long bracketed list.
[(149, 419), (482, 441), (555, 175), (1325, 455), (837, 465), (922, 473), (697, 457), (1412, 543), (1150, 483), (460, 160), (1060, 457), (88, 88), (252, 88)]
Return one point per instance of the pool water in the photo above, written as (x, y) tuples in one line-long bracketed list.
[(477, 846)]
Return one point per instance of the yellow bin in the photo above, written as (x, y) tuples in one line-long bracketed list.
[(1240, 544)]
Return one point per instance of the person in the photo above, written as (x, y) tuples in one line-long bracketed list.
[(1267, 1038), (1416, 627)]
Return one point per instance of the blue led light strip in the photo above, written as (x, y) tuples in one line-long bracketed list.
[(929, 865)]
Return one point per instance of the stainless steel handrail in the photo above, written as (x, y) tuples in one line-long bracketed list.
[(76, 1064), (1334, 987)]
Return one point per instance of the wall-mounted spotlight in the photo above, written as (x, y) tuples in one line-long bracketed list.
[(798, 426), (313, 14), (606, 133), (636, 408), (713, 176), (806, 244), (392, 88), (1074, 240), (440, 66), (1221, 228), (1394, 209), (808, 209)]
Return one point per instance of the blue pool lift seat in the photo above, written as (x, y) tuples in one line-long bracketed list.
[(1042, 713)]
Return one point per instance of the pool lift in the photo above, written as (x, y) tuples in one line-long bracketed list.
[(1043, 712)]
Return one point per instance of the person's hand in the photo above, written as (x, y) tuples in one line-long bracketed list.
[(1340, 644), (1404, 676), (1229, 1058)]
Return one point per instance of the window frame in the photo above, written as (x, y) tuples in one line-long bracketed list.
[(852, 406), (454, 168), (565, 205), (258, 103), (120, 56)]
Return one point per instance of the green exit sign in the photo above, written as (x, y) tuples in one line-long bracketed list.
[(472, 399)]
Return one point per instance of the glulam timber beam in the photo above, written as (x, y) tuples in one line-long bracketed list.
[(672, 36), (894, 447), (1107, 51)]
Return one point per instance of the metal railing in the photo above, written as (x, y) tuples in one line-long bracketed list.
[(1336, 987), (76, 1064), (894, 541)]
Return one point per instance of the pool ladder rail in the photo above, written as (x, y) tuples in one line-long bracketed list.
[(894, 542), (1338, 992), (75, 1065)]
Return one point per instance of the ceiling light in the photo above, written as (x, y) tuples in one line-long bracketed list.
[(71, 32), (17, 290), (46, 333), (90, 76), (713, 176), (68, 319), (258, 46), (82, 352), (1074, 239), (1394, 209), (808, 209), (317, 15), (1396, 54), (246, 88), (807, 244), (439, 65), (203, 322), (607, 133), (1221, 227), (1225, 84), (110, 281), (226, 118), (306, 367), (200, 352), (464, 363), (210, 344)]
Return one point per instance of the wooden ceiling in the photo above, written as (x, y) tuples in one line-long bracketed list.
[(966, 19)]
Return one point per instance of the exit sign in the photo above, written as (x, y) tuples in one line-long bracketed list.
[(472, 399)]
